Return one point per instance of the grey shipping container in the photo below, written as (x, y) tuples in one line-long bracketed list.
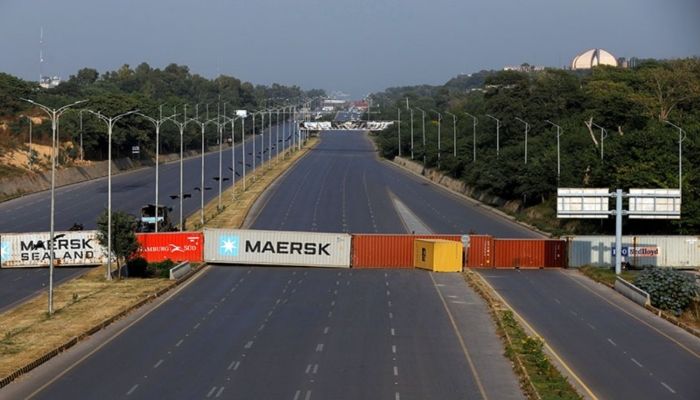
[(661, 251)]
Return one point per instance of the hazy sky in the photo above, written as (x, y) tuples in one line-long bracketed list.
[(355, 46)]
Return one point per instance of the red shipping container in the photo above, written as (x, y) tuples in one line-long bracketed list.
[(176, 246), (529, 253), (480, 253), (387, 251)]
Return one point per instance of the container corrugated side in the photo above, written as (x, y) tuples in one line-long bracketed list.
[(480, 253), (529, 253), (438, 255), (661, 251), (387, 251), (73, 248), (257, 247), (175, 246)]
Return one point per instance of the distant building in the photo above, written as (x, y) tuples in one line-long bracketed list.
[(48, 82), (592, 58), (525, 67)]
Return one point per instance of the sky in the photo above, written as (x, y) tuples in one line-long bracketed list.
[(356, 47)]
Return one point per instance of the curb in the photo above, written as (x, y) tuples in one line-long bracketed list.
[(75, 340)]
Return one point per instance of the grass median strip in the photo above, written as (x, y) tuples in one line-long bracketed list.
[(539, 378)]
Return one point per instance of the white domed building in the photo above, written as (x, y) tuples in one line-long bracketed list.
[(592, 58)]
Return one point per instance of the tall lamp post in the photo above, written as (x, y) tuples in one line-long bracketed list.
[(411, 133), (603, 135), (498, 134), (423, 122), (399, 127), (55, 115), (454, 133), (157, 123), (110, 121), (681, 137), (439, 138), (202, 126), (527, 129), (559, 133), (475, 122), (181, 127)]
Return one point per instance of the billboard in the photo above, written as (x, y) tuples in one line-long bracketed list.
[(74, 248), (582, 203), (175, 246), (655, 203), (306, 249)]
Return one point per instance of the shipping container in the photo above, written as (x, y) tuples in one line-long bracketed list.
[(72, 248), (661, 251), (175, 246), (438, 255), (254, 247), (529, 253), (388, 251), (480, 252)]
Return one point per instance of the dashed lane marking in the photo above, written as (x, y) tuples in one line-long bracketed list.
[(133, 388), (158, 363), (670, 389), (637, 362)]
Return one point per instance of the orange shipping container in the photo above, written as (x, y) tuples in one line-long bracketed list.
[(176, 246), (480, 253), (529, 253), (388, 251)]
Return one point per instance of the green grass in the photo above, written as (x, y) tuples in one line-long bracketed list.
[(606, 275)]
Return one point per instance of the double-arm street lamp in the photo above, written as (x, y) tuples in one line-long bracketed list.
[(603, 135), (110, 121), (454, 133), (559, 133), (181, 127), (438, 136), (527, 129), (423, 123), (681, 137), (55, 115), (475, 122), (498, 134)]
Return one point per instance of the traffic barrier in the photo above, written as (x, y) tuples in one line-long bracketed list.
[(175, 246), (180, 270), (438, 255), (480, 252), (529, 253), (388, 251), (632, 292), (659, 251), (71, 248), (254, 247)]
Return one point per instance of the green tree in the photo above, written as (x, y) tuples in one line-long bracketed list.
[(124, 243)]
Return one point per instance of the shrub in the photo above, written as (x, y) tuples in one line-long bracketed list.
[(161, 269), (138, 267), (669, 289)]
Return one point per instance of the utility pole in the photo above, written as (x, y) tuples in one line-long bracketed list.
[(527, 129), (559, 133), (498, 134), (475, 122)]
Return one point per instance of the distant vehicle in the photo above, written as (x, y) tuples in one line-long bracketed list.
[(147, 222)]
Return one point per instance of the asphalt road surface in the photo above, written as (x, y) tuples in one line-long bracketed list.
[(83, 202), (295, 333), (618, 349)]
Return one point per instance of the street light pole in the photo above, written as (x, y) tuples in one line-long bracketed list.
[(55, 115), (439, 139), (411, 133), (603, 135), (559, 133), (423, 122), (527, 129), (498, 134), (181, 127), (475, 122), (30, 141), (399, 126), (110, 121), (454, 133), (681, 137)]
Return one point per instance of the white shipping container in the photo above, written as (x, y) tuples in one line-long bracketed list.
[(661, 251), (307, 249), (21, 250)]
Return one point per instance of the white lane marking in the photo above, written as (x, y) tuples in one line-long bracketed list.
[(249, 344), (219, 392), (393, 332), (335, 291), (179, 343), (396, 370), (557, 300), (308, 369), (393, 348), (397, 396), (261, 327), (591, 326), (330, 314), (211, 392), (611, 342), (458, 302), (337, 283), (333, 303), (315, 369), (233, 365), (637, 362), (391, 315), (572, 312), (196, 326), (319, 347), (670, 389), (451, 296), (210, 311), (308, 395), (158, 363), (289, 281), (388, 293), (132, 389), (269, 314), (325, 330), (389, 303), (386, 283)]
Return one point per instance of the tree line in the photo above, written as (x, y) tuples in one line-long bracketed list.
[(639, 148)]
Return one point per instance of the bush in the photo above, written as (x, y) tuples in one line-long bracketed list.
[(138, 267), (161, 269), (669, 289)]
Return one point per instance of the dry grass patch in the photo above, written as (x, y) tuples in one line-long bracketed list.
[(236, 202), (27, 333)]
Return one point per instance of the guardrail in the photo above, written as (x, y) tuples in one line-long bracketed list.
[(632, 292), (180, 270)]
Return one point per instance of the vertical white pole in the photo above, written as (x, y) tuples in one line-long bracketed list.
[(618, 231)]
